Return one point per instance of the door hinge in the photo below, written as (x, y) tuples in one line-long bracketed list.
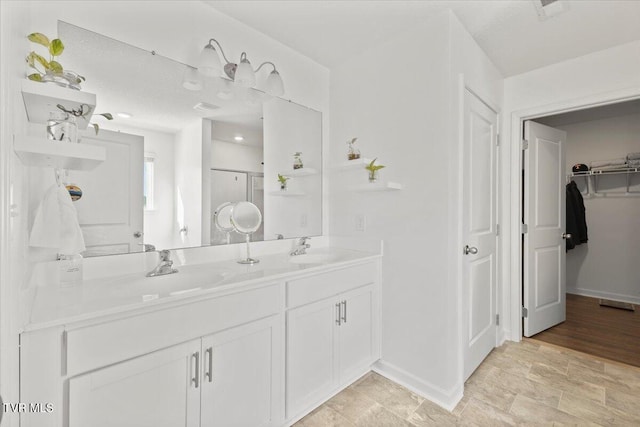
[(497, 229), (525, 144), (525, 312), (497, 319), (498, 139), (524, 228)]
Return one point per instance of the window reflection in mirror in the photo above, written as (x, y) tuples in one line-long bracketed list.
[(180, 154)]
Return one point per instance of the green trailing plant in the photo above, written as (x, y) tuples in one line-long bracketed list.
[(44, 66), (372, 167), (282, 179), (82, 112)]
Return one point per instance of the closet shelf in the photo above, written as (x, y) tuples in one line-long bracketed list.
[(40, 99), (600, 172), (593, 176), (34, 151)]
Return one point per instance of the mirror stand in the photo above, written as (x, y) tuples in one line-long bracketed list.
[(248, 260)]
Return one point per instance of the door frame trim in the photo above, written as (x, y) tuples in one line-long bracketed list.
[(514, 296)]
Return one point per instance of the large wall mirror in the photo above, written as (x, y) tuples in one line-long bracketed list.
[(175, 155)]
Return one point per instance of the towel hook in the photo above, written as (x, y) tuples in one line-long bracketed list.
[(61, 176)]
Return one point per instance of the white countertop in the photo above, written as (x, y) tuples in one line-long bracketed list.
[(117, 295)]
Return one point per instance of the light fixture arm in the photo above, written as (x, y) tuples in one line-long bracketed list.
[(221, 51), (266, 63)]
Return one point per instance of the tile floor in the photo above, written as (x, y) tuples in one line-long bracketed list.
[(526, 383)]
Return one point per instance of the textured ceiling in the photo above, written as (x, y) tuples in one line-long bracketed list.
[(509, 31)]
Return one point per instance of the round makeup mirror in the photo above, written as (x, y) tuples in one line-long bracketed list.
[(246, 219), (222, 219)]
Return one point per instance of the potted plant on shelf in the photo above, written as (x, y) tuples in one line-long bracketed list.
[(51, 70), (283, 182), (373, 170), (353, 153)]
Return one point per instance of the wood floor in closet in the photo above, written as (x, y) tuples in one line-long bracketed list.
[(602, 331)]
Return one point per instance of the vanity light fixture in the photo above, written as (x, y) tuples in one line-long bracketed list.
[(242, 73)]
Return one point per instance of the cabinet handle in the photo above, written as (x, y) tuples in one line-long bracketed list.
[(209, 373), (196, 376), (344, 311), (338, 310)]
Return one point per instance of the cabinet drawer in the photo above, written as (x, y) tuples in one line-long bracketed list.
[(99, 345), (309, 289)]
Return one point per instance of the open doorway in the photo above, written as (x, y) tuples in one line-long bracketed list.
[(602, 278)]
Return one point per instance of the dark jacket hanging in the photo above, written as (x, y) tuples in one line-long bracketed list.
[(576, 216)]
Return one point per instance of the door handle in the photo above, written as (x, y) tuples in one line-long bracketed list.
[(138, 234), (344, 312), (338, 313), (470, 250), (195, 379), (566, 235), (208, 359)]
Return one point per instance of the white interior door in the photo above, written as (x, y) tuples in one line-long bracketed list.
[(479, 231), (110, 211), (544, 215)]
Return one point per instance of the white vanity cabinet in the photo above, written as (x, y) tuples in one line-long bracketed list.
[(154, 390), (333, 341), (257, 353), (212, 361), (227, 379)]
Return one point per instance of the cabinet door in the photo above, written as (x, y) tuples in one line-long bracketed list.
[(311, 339), (242, 375), (154, 390), (355, 348)]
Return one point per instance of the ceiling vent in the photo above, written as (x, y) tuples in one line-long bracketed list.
[(205, 107), (549, 8)]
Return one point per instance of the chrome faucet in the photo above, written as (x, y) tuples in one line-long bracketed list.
[(301, 247), (165, 265)]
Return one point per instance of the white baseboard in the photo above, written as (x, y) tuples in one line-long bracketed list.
[(606, 295), (447, 399)]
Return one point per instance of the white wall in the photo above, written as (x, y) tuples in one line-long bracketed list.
[(607, 265), (188, 183), (411, 123), (13, 201), (611, 74)]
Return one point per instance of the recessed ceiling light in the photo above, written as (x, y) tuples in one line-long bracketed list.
[(124, 115), (238, 138)]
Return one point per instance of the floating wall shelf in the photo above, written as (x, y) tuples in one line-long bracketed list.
[(40, 99), (300, 172), (380, 186), (287, 193), (353, 164), (43, 152)]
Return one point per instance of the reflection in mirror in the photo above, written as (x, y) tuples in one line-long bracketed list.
[(222, 219), (175, 155)]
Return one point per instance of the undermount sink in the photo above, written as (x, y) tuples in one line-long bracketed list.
[(313, 258)]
